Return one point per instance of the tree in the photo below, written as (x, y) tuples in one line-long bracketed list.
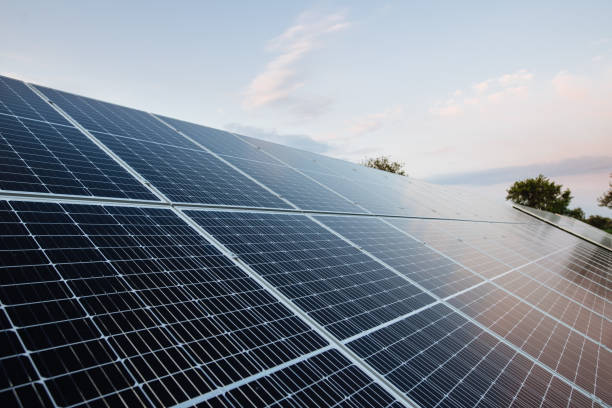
[(606, 199), (600, 222), (384, 163), (576, 213), (541, 193)]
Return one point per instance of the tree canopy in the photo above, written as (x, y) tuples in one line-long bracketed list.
[(606, 199), (541, 193), (384, 163), (544, 194)]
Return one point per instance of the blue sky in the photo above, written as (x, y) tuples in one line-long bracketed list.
[(472, 94)]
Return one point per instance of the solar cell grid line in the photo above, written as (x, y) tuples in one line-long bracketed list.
[(57, 159), (544, 294), (526, 301), (219, 141), (75, 326), (293, 186), (251, 142), (149, 315), (571, 355), (337, 285), (575, 227), (487, 329), (184, 213), (326, 379), (190, 175), (158, 195), (581, 291), (439, 275), (571, 311), (577, 273), (442, 359), (457, 250), (46, 157), (18, 100), (228, 163), (105, 117)]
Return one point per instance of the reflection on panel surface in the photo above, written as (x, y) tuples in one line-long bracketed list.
[(439, 358), (337, 285), (579, 359), (434, 272), (572, 225)]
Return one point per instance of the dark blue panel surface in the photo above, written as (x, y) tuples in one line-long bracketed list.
[(19, 100), (39, 156), (190, 176), (98, 116), (298, 189), (219, 141), (325, 380), (129, 306), (336, 284), (436, 273), (439, 358)]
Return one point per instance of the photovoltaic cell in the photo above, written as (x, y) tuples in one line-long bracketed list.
[(295, 187), (46, 157), (438, 358), (219, 141), (130, 304), (104, 117), (298, 189), (580, 360), (434, 272), (170, 162), (189, 175), (325, 380), (19, 100), (341, 288), (572, 225)]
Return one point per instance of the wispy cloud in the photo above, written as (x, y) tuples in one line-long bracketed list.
[(489, 91), (374, 121), (282, 76)]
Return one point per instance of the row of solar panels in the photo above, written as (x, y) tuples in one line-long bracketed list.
[(132, 304), (108, 305), (43, 152), (571, 225)]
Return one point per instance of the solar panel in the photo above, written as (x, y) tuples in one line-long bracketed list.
[(337, 285), (52, 156), (571, 225), (131, 304), (301, 191), (324, 284), (439, 358), (436, 273)]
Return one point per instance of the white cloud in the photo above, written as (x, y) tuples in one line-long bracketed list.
[(573, 87), (489, 91), (281, 77), (374, 121)]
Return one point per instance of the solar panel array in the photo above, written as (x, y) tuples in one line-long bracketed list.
[(149, 261), (571, 225)]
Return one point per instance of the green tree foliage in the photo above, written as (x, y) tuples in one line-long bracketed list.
[(606, 199), (384, 163), (576, 213), (541, 193), (600, 222)]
